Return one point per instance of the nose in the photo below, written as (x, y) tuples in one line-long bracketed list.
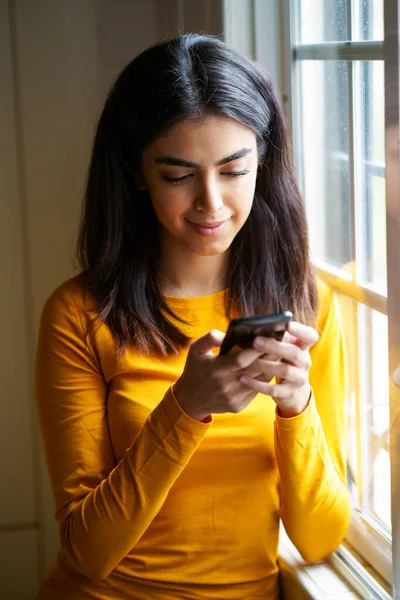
[(209, 197)]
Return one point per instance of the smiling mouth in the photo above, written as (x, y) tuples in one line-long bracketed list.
[(209, 225), (208, 229)]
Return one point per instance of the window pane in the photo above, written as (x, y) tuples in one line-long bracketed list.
[(374, 415), (328, 21), (368, 410), (322, 21), (368, 20), (372, 170), (323, 155)]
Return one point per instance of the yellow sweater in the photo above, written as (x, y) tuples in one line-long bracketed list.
[(153, 504)]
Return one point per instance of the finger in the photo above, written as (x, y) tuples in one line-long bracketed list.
[(241, 360), (279, 369), (271, 357), (265, 378), (256, 373), (291, 353), (288, 338), (306, 336), (207, 342), (275, 390), (257, 366), (260, 368)]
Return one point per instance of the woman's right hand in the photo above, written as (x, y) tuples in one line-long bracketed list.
[(211, 384)]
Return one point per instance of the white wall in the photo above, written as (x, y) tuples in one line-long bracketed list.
[(57, 60)]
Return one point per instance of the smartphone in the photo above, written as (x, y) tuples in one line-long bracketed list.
[(241, 332)]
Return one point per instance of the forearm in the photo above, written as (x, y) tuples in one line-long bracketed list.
[(103, 527), (314, 497)]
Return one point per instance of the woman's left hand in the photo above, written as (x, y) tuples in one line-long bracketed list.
[(290, 366)]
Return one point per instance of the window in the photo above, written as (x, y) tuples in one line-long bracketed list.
[(337, 100)]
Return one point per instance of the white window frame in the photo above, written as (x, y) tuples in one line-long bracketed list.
[(385, 557)]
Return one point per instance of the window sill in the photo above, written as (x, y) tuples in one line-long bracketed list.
[(304, 581)]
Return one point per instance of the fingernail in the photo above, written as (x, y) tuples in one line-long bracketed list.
[(244, 380), (259, 344)]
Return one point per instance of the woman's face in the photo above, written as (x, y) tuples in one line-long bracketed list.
[(201, 177)]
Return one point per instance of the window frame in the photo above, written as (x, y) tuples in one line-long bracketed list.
[(385, 557)]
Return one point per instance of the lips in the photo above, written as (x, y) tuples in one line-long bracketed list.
[(209, 228), (212, 225)]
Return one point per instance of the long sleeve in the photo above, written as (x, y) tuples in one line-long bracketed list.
[(311, 448), (103, 509)]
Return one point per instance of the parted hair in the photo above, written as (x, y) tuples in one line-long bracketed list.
[(118, 248)]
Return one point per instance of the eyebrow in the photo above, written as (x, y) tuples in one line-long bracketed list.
[(180, 162)]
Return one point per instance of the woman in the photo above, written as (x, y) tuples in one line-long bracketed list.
[(171, 466)]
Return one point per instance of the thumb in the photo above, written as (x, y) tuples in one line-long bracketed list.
[(207, 342)]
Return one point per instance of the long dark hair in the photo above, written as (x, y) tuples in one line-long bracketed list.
[(189, 77)]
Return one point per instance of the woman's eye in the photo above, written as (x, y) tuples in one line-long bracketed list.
[(235, 173), (176, 179)]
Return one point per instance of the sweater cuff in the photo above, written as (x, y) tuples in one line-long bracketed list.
[(300, 422), (168, 432), (181, 413), (207, 419)]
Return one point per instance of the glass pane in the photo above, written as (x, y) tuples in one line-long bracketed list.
[(322, 21), (374, 415), (368, 20), (372, 165), (324, 158), (368, 459), (328, 21)]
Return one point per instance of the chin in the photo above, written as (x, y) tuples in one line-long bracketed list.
[(210, 249)]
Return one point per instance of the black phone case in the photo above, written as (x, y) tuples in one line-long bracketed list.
[(241, 332)]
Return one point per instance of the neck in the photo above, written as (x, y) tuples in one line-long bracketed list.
[(193, 276)]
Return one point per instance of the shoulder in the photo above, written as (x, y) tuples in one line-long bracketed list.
[(65, 335), (69, 300)]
